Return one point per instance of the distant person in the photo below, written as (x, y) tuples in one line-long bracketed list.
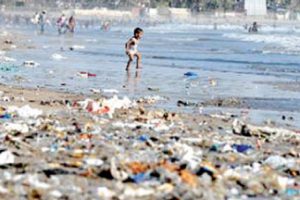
[(71, 24), (215, 26), (35, 18), (253, 28), (61, 24), (132, 48), (105, 26), (42, 21)]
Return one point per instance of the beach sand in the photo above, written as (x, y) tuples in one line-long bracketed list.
[(138, 153), (64, 146)]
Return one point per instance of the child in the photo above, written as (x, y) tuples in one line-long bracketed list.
[(132, 48)]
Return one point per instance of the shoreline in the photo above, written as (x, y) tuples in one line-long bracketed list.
[(243, 104)]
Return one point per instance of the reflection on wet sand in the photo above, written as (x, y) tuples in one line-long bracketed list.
[(132, 82)]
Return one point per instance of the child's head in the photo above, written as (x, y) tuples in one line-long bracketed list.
[(138, 33)]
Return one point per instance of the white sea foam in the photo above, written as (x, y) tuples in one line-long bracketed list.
[(279, 43), (177, 28)]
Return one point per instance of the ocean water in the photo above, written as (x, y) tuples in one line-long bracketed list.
[(238, 64)]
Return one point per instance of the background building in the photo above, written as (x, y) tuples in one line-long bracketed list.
[(255, 7)]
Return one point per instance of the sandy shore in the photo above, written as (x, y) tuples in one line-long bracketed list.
[(57, 145), (82, 151)]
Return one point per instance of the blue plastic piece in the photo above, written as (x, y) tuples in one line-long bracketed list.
[(6, 116), (191, 74), (143, 138), (141, 177), (242, 148)]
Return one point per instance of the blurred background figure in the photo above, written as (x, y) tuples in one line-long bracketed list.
[(71, 24), (42, 21), (61, 24), (105, 26), (253, 28)]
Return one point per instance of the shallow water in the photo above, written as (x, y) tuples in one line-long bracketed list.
[(236, 60)]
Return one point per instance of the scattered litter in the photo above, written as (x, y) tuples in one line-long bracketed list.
[(93, 162), (7, 59), (242, 148), (25, 111), (191, 75), (106, 106), (118, 148), (151, 99), (36, 183), (86, 75), (58, 57), (75, 47), (111, 91), (16, 127), (30, 64), (153, 89), (105, 193), (7, 67), (6, 157), (213, 82), (95, 91), (181, 103)]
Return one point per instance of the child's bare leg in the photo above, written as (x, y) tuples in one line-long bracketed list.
[(138, 60), (129, 61)]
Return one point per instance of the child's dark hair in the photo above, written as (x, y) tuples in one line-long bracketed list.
[(138, 30)]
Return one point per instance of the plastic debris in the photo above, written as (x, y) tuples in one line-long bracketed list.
[(242, 148), (25, 111), (86, 75), (30, 64), (76, 47), (93, 162), (16, 127), (35, 182), (106, 106), (8, 67), (117, 148), (153, 89), (139, 178), (191, 74), (5, 116), (278, 161), (105, 193), (58, 57), (95, 91), (6, 157), (112, 91)]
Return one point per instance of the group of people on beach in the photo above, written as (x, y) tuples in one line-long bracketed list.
[(40, 19), (65, 24)]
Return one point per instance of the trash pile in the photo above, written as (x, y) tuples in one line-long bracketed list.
[(115, 148)]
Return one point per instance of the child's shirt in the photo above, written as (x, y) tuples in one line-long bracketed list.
[(133, 45)]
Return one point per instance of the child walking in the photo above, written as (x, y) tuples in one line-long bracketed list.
[(132, 48)]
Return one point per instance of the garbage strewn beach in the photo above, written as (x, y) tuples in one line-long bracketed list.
[(72, 129), (56, 145)]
